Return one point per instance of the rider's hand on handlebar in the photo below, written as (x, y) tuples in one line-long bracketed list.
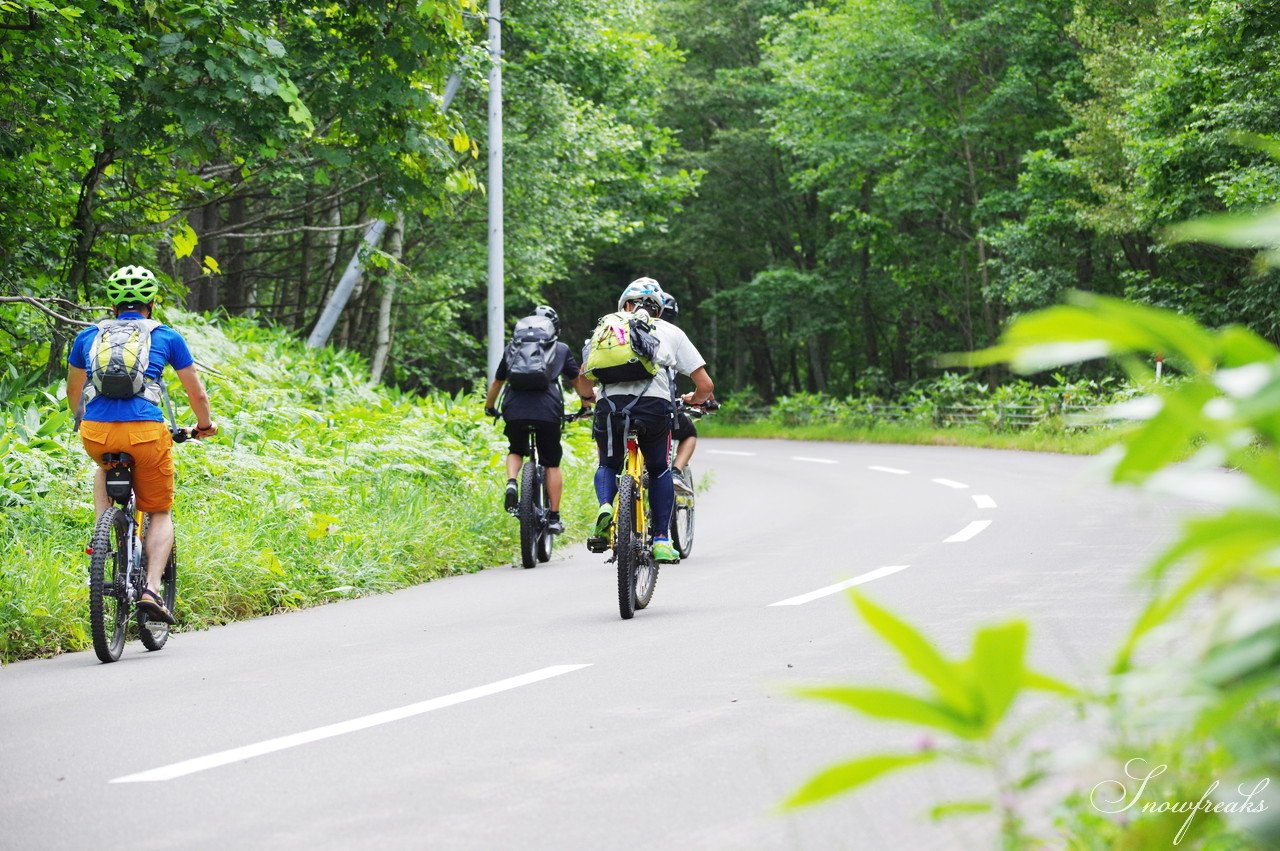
[(204, 431), (491, 411), (706, 404)]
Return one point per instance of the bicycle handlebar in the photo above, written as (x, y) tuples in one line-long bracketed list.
[(696, 411), (182, 435)]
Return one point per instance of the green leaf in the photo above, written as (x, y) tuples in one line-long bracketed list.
[(896, 706), (850, 775), (1095, 326), (959, 808), (1234, 230), (920, 655), (996, 666), (184, 242), (1041, 682), (1239, 345)]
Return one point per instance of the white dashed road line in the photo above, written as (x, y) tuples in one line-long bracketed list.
[(840, 586), (191, 766), (949, 483), (729, 452), (813, 460), (984, 501), (893, 470), (968, 532)]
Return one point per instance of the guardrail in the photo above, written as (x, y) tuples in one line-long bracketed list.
[(997, 415)]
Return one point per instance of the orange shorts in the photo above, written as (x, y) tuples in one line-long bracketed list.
[(151, 446)]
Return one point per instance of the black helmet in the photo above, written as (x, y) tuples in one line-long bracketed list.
[(550, 313), (670, 310)]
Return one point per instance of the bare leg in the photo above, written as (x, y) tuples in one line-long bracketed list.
[(513, 465), (684, 452), (159, 544), (555, 487), (100, 501)]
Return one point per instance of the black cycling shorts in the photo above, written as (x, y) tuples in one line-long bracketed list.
[(684, 427), (545, 434)]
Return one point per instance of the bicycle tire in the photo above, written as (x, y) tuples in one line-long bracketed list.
[(527, 510), (682, 518), (154, 634), (547, 540), (108, 598), (627, 547)]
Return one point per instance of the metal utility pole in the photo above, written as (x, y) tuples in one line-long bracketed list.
[(497, 335)]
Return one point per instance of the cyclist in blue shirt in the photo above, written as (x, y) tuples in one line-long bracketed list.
[(136, 425)]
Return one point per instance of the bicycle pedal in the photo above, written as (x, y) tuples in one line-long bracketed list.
[(597, 545)]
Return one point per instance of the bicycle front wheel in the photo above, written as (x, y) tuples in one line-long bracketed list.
[(682, 517), (627, 547), (530, 513), (547, 540), (108, 596), (154, 633), (637, 571)]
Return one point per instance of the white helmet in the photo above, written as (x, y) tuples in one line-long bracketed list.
[(645, 292)]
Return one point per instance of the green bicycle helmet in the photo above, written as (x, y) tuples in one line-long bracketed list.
[(132, 284)]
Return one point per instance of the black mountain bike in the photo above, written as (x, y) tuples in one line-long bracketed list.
[(682, 514), (534, 505), (118, 565)]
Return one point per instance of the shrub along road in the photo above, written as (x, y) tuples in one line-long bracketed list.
[(513, 708)]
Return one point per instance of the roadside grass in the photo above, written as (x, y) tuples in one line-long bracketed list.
[(319, 487)]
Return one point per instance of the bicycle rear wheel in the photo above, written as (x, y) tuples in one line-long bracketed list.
[(682, 517), (108, 596), (154, 633), (547, 540), (530, 513)]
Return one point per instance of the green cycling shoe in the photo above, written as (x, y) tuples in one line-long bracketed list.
[(603, 518), (664, 553)]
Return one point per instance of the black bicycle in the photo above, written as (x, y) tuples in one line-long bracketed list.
[(118, 565), (533, 506), (682, 514)]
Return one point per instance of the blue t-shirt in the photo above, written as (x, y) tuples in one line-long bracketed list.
[(167, 349)]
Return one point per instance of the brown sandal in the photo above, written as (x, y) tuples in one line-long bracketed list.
[(151, 603)]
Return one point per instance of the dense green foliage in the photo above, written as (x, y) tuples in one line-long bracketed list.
[(240, 147), (885, 181), (320, 486), (836, 192)]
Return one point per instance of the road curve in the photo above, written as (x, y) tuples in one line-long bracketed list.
[(514, 709)]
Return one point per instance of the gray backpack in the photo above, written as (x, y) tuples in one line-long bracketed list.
[(118, 360), (531, 354)]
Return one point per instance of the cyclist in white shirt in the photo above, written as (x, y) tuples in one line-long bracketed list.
[(648, 407)]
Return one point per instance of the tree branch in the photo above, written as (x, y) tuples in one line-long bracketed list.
[(39, 304)]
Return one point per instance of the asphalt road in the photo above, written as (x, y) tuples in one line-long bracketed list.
[(514, 709)]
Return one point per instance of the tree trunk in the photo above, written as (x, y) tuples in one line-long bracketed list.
[(395, 247), (236, 290), (346, 285), (83, 226)]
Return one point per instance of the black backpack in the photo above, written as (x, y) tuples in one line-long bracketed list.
[(531, 354)]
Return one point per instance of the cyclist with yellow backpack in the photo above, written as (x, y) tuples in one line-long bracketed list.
[(114, 390), (630, 357)]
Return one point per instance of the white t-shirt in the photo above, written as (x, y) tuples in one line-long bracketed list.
[(675, 351)]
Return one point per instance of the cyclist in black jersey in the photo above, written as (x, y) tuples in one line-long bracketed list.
[(543, 412)]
